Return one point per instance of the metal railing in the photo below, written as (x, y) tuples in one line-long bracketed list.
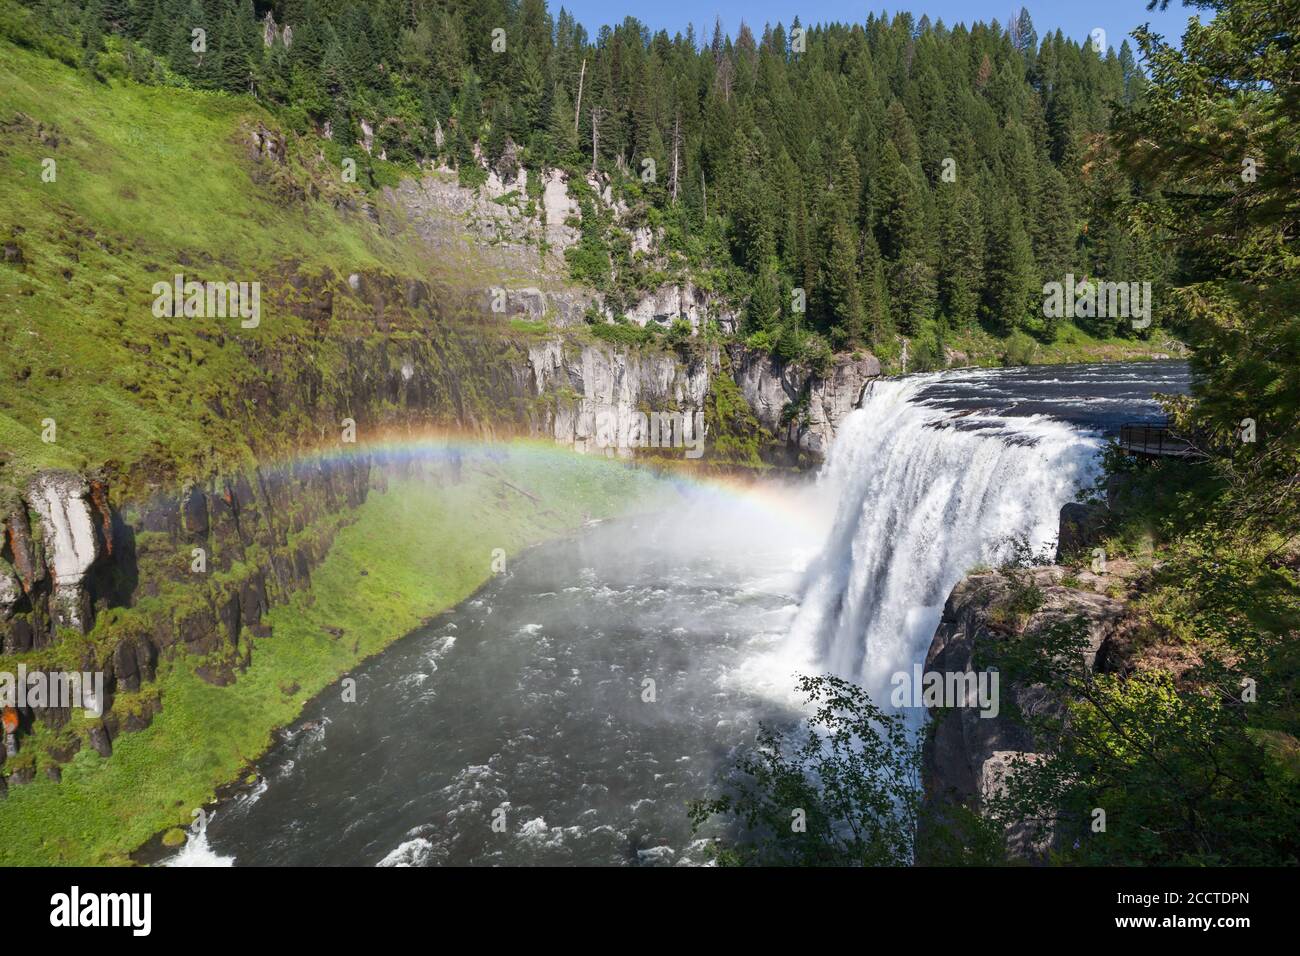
[(1144, 438)]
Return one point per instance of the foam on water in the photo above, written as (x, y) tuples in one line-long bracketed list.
[(197, 851)]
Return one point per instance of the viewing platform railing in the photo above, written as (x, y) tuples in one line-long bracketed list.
[(1145, 438)]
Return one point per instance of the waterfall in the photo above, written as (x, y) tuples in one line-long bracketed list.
[(925, 495), (197, 851)]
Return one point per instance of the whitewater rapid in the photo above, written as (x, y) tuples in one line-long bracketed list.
[(925, 494)]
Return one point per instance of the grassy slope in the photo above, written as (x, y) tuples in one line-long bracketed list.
[(423, 547), (979, 347), (150, 182)]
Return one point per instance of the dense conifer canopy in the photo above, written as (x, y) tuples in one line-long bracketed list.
[(913, 178)]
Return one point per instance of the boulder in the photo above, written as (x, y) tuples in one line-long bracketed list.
[(194, 512), (100, 742), (1081, 526)]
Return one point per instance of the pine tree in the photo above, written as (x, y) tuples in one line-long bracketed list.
[(1012, 293), (843, 293), (875, 294), (763, 311), (334, 71), (962, 277), (753, 228), (181, 55), (820, 170), (561, 131), (159, 29), (115, 15), (341, 125), (92, 31), (234, 67), (912, 288)]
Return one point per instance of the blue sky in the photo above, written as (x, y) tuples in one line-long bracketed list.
[(1077, 19)]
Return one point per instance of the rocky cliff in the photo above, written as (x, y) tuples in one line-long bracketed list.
[(967, 756), (588, 384), (197, 568), (598, 396), (801, 408), (200, 558)]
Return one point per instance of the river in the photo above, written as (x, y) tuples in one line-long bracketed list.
[(569, 711)]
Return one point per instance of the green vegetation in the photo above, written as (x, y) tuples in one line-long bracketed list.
[(413, 551), (736, 436), (623, 333), (936, 348), (1167, 753), (820, 168), (1199, 754), (151, 182), (154, 177), (840, 788), (907, 178), (139, 196)]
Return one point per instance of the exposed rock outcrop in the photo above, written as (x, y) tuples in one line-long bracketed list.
[(265, 144), (1081, 526), (682, 300), (93, 561), (559, 208), (161, 566), (600, 394), (72, 543), (803, 409), (967, 755), (615, 386), (508, 231)]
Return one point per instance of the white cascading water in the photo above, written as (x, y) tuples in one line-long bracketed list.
[(197, 851), (925, 495)]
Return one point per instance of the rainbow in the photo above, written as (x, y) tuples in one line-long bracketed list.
[(404, 446)]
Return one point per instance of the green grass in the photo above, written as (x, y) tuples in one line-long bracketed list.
[(424, 547), (1072, 344), (150, 182)]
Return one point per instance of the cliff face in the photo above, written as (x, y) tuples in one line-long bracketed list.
[(596, 397), (966, 756), (587, 386), (515, 229), (801, 409), (200, 567), (519, 224), (159, 522)]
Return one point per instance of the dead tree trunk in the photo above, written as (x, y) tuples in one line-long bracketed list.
[(578, 109)]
